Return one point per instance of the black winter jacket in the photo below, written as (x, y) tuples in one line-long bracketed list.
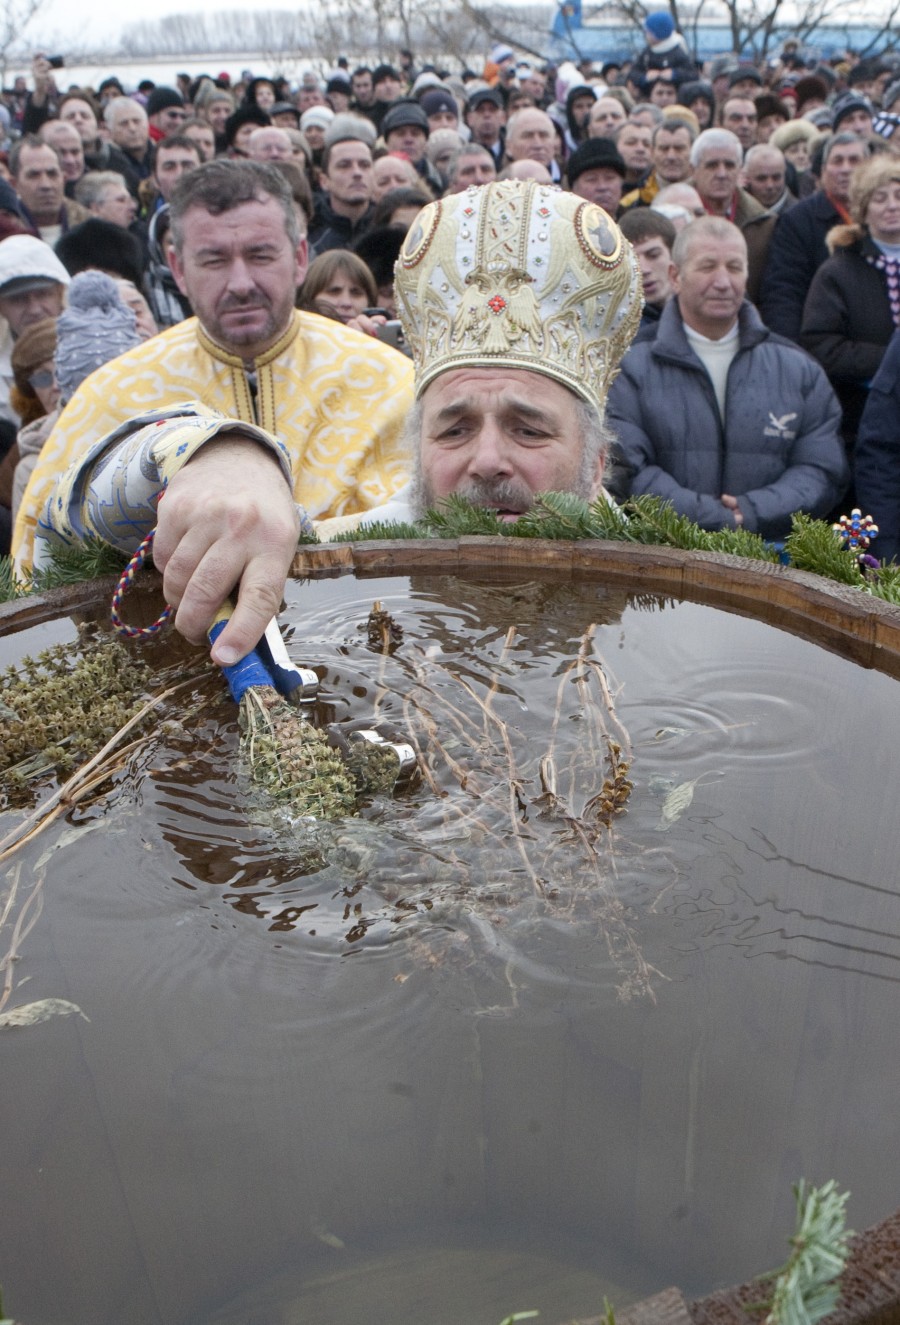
[(847, 325), (795, 254)]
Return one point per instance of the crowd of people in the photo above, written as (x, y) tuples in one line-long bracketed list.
[(255, 236)]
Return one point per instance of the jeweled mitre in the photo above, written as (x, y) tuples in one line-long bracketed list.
[(520, 275)]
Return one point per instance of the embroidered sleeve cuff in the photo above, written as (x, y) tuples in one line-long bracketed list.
[(111, 492)]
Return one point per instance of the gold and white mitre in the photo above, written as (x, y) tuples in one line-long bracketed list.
[(521, 275)]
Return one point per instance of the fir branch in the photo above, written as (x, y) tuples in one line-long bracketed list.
[(654, 521), (88, 560), (813, 545), (884, 583), (609, 520), (10, 587), (458, 518), (806, 1287), (381, 529), (557, 515)]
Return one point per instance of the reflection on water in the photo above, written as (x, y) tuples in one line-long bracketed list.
[(474, 1051)]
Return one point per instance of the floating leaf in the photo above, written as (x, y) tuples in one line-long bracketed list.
[(678, 800), (29, 1014), (66, 837), (670, 731)]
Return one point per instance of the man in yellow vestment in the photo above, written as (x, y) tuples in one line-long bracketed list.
[(334, 398)]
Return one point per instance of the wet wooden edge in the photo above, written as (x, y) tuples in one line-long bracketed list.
[(22, 613), (837, 617), (870, 1291)]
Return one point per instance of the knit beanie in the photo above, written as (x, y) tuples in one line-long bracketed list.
[(161, 98), (660, 24), (94, 328), (846, 105)]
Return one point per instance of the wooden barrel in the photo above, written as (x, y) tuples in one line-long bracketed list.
[(842, 619)]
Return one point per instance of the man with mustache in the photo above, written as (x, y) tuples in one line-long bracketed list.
[(334, 399)]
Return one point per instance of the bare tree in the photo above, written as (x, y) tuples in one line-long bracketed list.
[(273, 32), (455, 30), (15, 18)]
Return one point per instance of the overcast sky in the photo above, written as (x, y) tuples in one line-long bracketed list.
[(98, 22)]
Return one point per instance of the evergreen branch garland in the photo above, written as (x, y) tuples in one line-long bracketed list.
[(810, 546)]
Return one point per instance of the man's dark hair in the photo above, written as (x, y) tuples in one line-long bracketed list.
[(670, 124), (339, 142), (175, 140), (361, 69), (79, 94), (29, 140), (641, 223), (221, 185), (865, 71)]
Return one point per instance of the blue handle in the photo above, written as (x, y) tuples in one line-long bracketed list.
[(250, 671)]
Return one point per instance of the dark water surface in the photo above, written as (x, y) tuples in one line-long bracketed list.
[(456, 1058)]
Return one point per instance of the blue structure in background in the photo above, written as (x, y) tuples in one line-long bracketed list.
[(572, 39)]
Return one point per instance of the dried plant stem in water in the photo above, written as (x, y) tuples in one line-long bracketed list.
[(507, 788), (27, 918), (515, 795)]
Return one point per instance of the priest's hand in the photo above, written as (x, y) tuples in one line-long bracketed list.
[(227, 525)]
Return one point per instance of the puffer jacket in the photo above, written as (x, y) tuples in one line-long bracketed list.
[(777, 449)]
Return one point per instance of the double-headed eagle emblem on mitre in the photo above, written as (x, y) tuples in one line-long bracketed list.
[(523, 275)]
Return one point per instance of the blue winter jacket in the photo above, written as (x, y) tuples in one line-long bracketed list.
[(777, 450)]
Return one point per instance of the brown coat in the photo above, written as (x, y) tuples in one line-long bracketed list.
[(756, 224)]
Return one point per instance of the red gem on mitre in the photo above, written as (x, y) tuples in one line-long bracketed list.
[(497, 304), (543, 211)]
